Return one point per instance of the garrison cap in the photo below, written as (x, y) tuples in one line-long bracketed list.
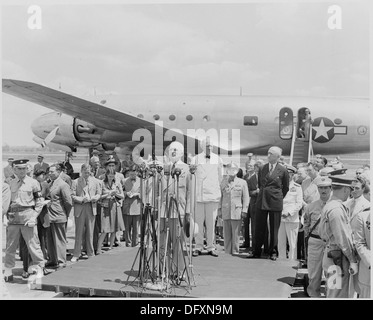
[(324, 182), (40, 156), (111, 159), (325, 171), (342, 180), (11, 159), (249, 154), (338, 172), (291, 168), (21, 163)]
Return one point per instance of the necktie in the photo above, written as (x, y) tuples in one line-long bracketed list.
[(352, 208), (272, 166)]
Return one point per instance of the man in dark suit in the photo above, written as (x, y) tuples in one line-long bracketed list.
[(59, 209), (246, 217), (252, 184), (41, 165), (273, 183)]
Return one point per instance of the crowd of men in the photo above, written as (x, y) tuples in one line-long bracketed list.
[(316, 212)]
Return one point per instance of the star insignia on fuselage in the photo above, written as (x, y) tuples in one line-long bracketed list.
[(322, 130)]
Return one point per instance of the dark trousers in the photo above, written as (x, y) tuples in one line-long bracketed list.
[(251, 218), (56, 242), (245, 229), (261, 225), (300, 246), (131, 223), (96, 229), (42, 234)]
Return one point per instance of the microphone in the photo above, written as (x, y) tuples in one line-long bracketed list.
[(167, 169), (176, 172)]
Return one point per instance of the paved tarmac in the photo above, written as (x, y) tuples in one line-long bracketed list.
[(223, 277)]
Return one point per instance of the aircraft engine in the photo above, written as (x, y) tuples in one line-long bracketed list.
[(65, 130), (108, 146)]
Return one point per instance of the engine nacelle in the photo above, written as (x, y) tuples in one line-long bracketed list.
[(108, 146), (79, 131), (71, 132), (75, 132)]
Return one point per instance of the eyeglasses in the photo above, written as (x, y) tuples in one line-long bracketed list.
[(357, 172)]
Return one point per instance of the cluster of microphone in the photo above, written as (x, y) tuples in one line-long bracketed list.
[(147, 170)]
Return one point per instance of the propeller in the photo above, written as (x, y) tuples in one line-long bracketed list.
[(49, 137)]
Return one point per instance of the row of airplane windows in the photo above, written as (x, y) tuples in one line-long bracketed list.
[(172, 117), (248, 120)]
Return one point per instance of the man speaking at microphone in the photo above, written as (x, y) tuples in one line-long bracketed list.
[(175, 186)]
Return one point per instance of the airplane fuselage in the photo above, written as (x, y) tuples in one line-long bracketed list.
[(340, 125)]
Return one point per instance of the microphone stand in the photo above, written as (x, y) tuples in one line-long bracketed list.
[(192, 170), (140, 275), (164, 269)]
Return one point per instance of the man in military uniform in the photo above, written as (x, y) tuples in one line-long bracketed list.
[(26, 204), (339, 257), (309, 185), (234, 203), (316, 245)]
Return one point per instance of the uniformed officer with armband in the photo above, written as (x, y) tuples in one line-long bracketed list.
[(339, 259), (315, 245), (26, 204)]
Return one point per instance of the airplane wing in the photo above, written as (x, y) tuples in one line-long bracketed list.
[(88, 111), (91, 112)]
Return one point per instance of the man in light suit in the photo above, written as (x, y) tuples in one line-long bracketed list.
[(86, 191), (41, 164), (273, 183), (169, 214), (209, 175), (362, 244)]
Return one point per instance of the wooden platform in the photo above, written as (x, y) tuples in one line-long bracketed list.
[(107, 275)]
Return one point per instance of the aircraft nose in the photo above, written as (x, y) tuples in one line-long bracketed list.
[(43, 125)]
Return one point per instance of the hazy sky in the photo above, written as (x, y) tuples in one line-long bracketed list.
[(271, 49)]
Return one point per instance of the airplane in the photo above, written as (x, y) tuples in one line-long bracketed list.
[(340, 125)]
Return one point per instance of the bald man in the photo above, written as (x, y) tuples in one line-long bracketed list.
[(273, 183)]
